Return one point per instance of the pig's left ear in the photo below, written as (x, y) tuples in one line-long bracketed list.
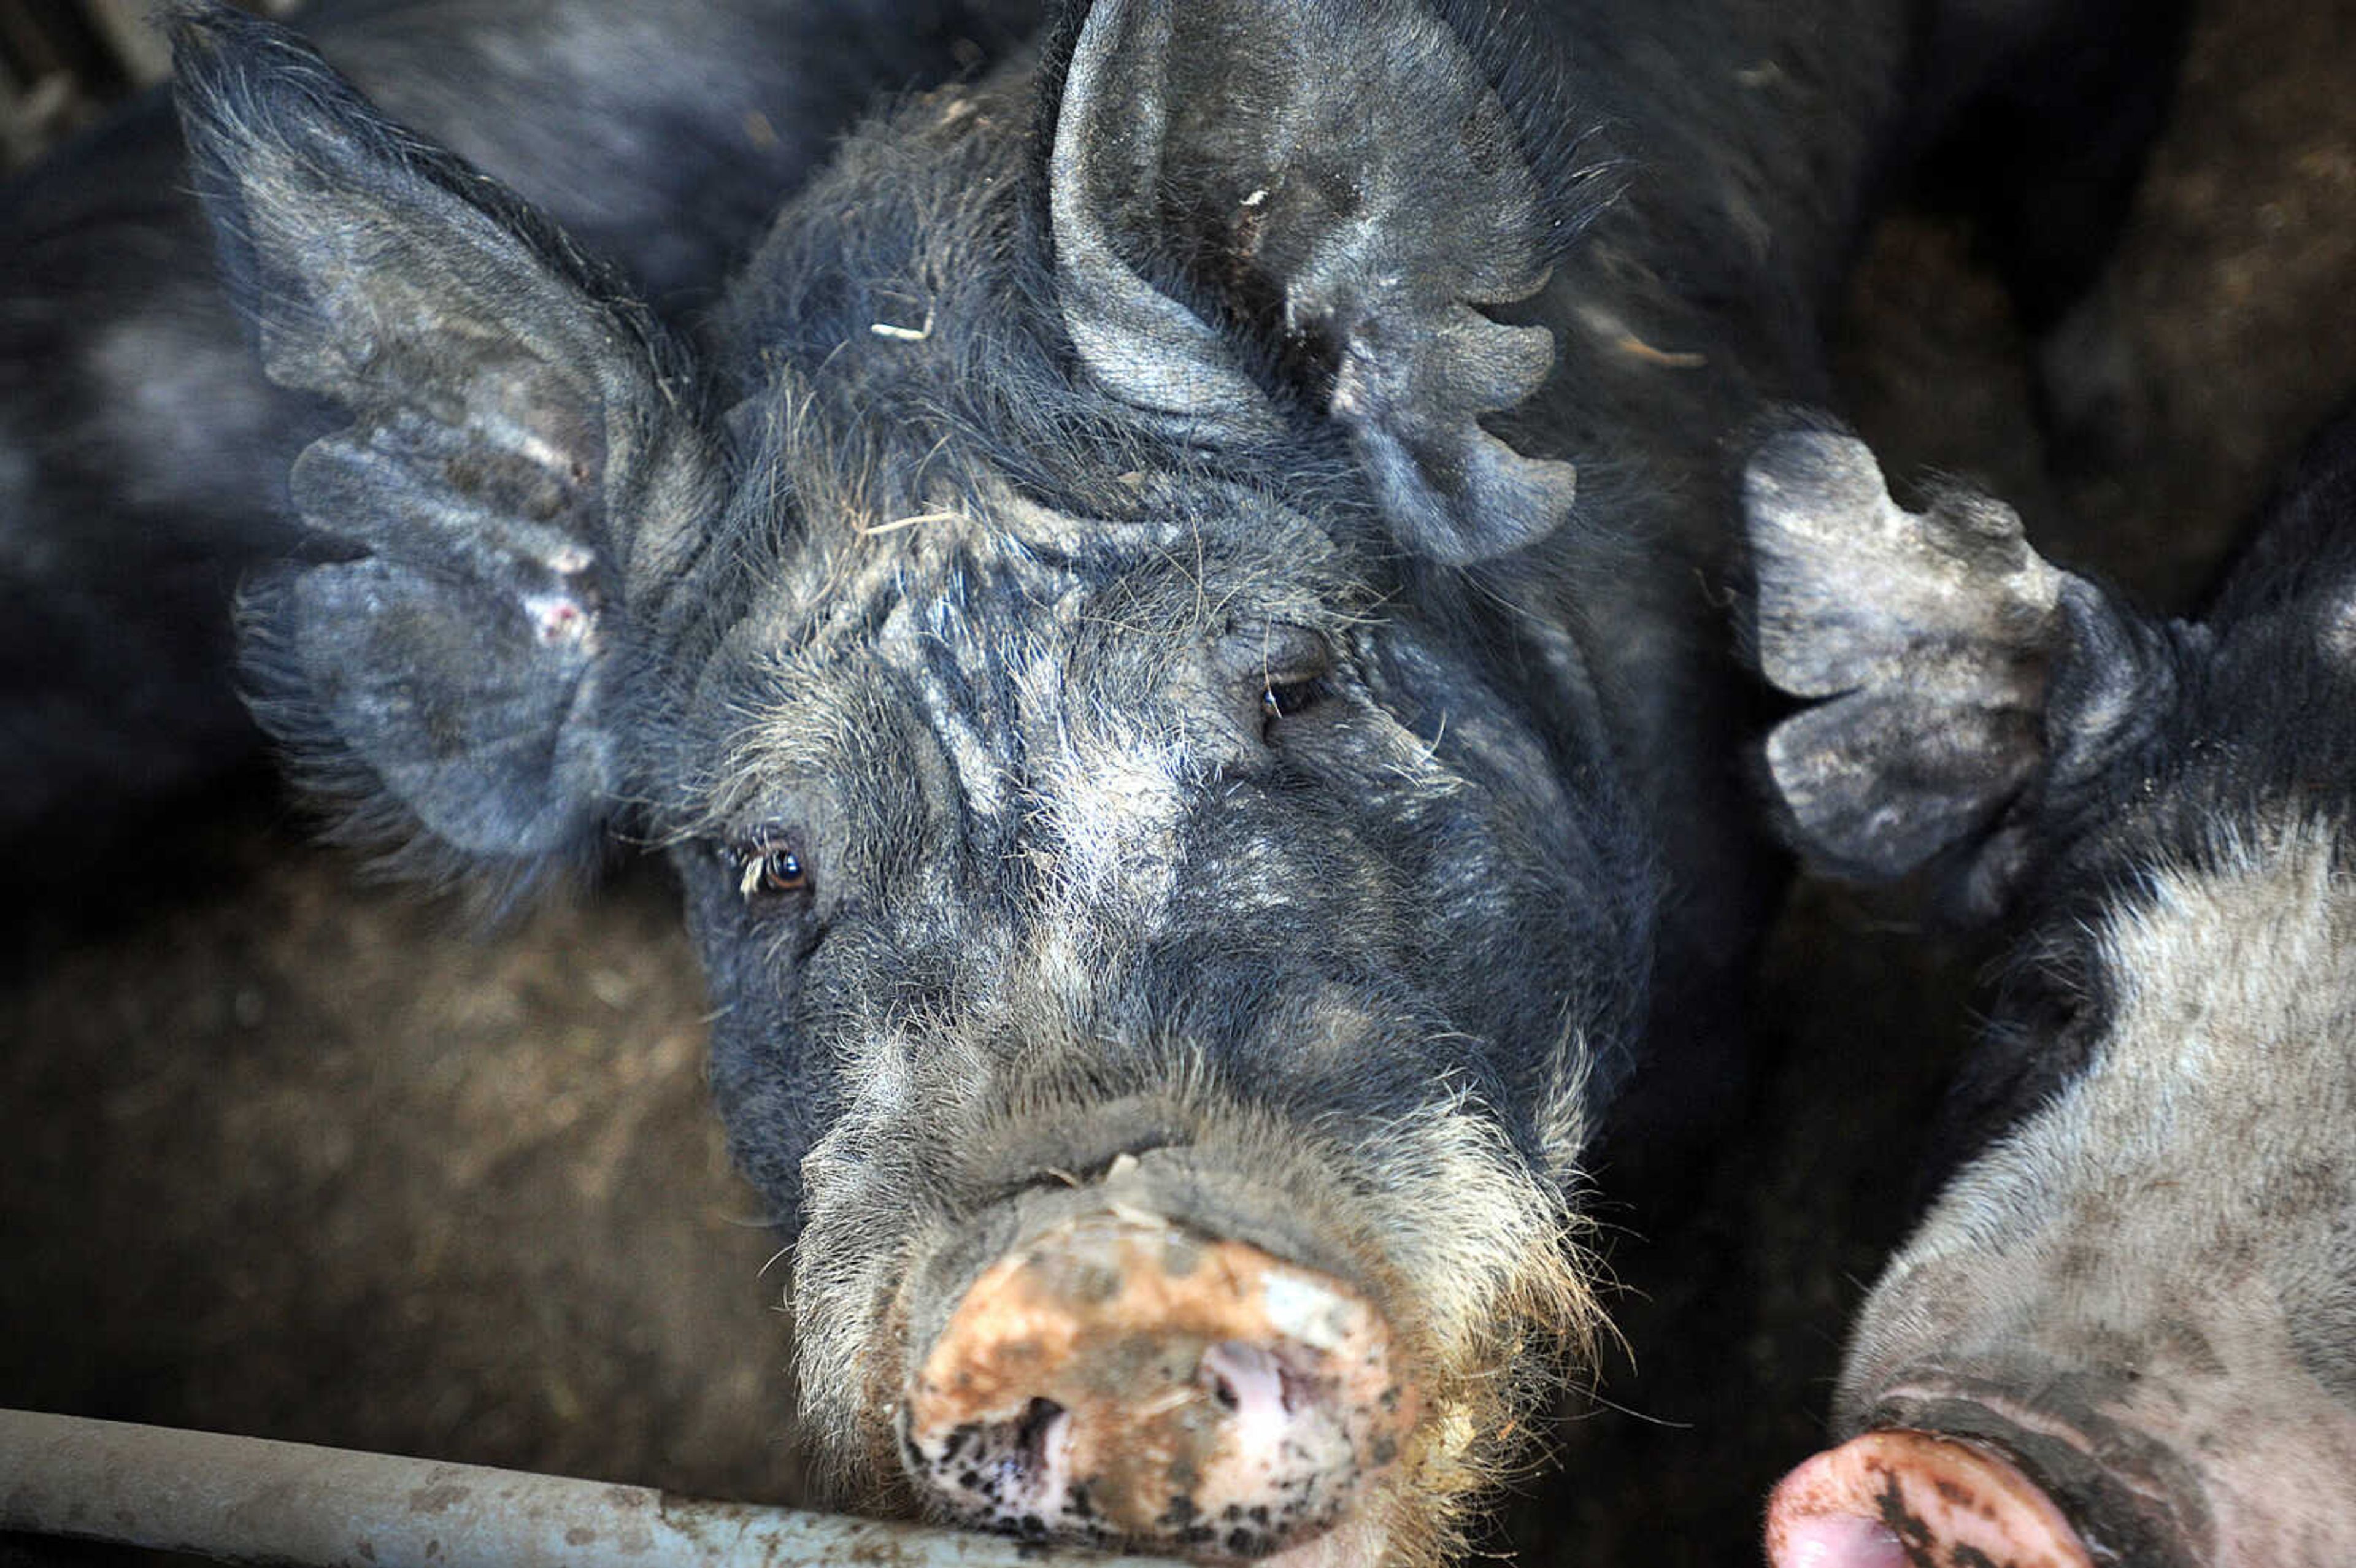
[(1962, 677), (1340, 178), (513, 472)]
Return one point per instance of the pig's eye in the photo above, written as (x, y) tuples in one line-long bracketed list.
[(1283, 699), (772, 867), (1291, 668)]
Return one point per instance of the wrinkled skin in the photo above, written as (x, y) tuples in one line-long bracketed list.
[(143, 456), (1163, 640), (2137, 1284)]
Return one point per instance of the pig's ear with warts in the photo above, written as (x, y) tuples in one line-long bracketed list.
[(513, 470), (1339, 186), (1960, 680)]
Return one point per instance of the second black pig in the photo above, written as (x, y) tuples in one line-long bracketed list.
[(2126, 1331), (1170, 643)]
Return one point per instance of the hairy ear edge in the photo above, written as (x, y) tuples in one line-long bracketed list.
[(1926, 640), (515, 455), (1238, 131)]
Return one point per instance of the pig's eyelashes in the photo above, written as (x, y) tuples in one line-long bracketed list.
[(1289, 668), (1283, 699), (771, 867)]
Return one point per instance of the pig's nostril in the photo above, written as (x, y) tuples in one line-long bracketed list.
[(1033, 1431), (1250, 1382)]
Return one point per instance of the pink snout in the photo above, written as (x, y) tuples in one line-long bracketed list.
[(1910, 1500)]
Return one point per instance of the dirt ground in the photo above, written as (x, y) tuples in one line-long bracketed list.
[(291, 1155)]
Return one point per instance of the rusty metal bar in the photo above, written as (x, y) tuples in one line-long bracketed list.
[(247, 1499)]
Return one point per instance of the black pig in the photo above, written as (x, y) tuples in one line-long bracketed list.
[(2126, 1331), (1169, 640), (143, 456)]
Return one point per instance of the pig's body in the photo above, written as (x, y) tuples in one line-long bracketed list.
[(2138, 1284), (1171, 643), (143, 456)]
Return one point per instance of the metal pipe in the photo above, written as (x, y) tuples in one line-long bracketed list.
[(248, 1499)]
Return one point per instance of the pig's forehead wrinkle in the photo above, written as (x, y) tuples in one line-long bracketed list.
[(1218, 540), (1002, 625), (1054, 702), (851, 482)]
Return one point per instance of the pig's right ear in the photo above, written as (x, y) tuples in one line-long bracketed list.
[(514, 471), (1962, 677), (1345, 176)]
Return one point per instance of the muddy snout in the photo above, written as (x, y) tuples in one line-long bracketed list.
[(1119, 1377)]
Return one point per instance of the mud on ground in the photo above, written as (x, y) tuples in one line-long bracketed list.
[(285, 1153)]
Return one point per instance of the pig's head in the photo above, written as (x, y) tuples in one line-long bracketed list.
[(2126, 1329), (1162, 913)]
